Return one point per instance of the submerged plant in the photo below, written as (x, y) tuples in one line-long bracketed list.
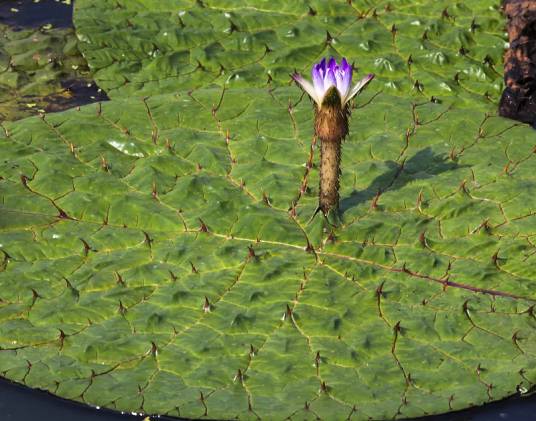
[(331, 92)]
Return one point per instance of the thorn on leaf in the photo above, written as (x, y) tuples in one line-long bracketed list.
[(206, 306), (203, 227), (239, 376), (287, 314), (122, 309)]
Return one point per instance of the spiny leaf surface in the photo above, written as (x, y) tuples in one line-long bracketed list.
[(158, 253)]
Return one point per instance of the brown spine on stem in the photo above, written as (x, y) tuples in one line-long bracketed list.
[(331, 127)]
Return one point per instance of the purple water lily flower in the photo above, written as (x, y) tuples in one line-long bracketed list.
[(331, 91), (328, 74)]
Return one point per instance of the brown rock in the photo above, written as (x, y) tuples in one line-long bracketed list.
[(518, 100)]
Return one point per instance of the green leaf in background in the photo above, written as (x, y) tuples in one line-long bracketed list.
[(37, 68), (157, 253), (437, 47)]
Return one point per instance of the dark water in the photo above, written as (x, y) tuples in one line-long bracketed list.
[(29, 14), (513, 409), (18, 403)]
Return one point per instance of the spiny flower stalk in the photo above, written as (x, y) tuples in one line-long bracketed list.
[(331, 92)]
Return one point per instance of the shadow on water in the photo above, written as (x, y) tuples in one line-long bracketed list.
[(19, 403), (423, 165), (75, 92), (515, 408), (53, 75)]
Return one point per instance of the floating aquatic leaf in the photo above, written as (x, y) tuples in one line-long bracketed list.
[(38, 68), (189, 281)]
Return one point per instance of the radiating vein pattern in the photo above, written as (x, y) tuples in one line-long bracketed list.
[(158, 252)]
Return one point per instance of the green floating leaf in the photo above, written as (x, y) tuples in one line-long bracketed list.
[(40, 69), (158, 252)]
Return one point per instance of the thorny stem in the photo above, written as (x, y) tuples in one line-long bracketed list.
[(330, 162), (331, 126)]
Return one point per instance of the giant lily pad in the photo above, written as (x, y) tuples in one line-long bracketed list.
[(158, 252), (41, 70)]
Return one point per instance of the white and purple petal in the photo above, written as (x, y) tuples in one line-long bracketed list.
[(326, 74), (345, 65), (329, 79), (332, 64), (343, 81), (307, 87), (358, 87), (346, 71), (322, 66), (318, 79)]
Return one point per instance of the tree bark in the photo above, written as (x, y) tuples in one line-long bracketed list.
[(518, 100)]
